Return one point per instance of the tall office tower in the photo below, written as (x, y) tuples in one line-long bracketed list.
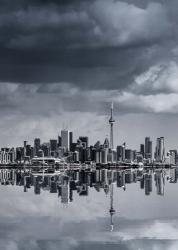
[(29, 151), (82, 154), (84, 140), (18, 154), (129, 155), (73, 147), (59, 141), (65, 139), (25, 147), (36, 146), (160, 150), (121, 152), (142, 150), (46, 149), (111, 122), (148, 148), (70, 139), (104, 153), (53, 145)]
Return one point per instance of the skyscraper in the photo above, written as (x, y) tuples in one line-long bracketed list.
[(70, 139), (46, 149), (142, 149), (25, 147), (59, 141), (111, 122), (148, 148), (37, 145), (121, 153), (129, 155), (65, 139), (53, 145), (84, 140)]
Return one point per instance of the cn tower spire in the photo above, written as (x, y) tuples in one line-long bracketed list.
[(111, 122)]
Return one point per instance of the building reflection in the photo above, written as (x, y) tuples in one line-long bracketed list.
[(80, 181)]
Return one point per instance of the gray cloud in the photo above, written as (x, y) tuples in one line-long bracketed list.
[(98, 23)]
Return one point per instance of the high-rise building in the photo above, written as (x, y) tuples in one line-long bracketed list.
[(129, 155), (70, 139), (25, 147), (148, 148), (73, 147), (65, 139), (29, 151), (37, 145), (142, 149), (104, 153), (53, 145), (46, 149), (19, 154), (160, 150), (84, 140), (59, 141), (121, 153)]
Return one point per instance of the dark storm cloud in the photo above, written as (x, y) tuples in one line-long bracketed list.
[(91, 43), (98, 23)]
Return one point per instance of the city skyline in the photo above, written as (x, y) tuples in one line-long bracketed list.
[(111, 134), (65, 148), (88, 124)]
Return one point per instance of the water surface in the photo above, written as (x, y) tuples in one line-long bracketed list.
[(73, 211)]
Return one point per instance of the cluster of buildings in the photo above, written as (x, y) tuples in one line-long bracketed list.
[(64, 148), (146, 154), (80, 151)]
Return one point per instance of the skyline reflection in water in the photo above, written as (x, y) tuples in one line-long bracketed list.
[(72, 211)]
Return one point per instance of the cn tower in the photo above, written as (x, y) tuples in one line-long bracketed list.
[(111, 122)]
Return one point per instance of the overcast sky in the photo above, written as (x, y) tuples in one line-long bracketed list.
[(63, 62)]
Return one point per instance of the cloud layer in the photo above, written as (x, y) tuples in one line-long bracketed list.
[(91, 23), (70, 59)]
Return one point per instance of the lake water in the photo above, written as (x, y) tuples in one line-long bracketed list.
[(73, 211)]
